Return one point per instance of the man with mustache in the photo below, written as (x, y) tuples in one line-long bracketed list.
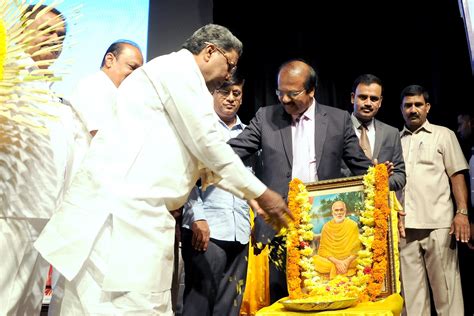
[(216, 230), (94, 95), (298, 138), (339, 244), (378, 140), (113, 237), (435, 162)]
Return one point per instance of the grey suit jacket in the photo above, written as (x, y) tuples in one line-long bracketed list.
[(270, 131), (387, 147)]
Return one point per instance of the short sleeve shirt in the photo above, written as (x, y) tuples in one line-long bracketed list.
[(432, 154)]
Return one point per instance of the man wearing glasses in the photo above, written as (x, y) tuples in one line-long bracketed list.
[(299, 138), (113, 238), (216, 230)]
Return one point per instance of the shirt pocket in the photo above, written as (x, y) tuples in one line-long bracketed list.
[(426, 154)]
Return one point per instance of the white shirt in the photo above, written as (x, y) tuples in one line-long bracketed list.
[(305, 170), (141, 164), (93, 99), (38, 159)]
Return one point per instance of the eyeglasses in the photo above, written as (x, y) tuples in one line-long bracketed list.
[(290, 94), (225, 93), (231, 67)]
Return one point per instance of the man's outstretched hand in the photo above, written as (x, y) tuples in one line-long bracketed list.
[(273, 208)]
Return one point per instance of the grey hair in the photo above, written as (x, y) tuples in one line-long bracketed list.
[(215, 34)]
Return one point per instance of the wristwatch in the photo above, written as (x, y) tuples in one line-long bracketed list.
[(462, 211)]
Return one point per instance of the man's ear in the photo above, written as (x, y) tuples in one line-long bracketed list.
[(109, 60), (207, 52)]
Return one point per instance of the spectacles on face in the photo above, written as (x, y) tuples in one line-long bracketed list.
[(237, 94), (231, 67), (290, 94)]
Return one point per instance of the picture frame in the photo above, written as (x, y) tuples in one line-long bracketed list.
[(323, 194)]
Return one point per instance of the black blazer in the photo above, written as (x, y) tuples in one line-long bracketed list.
[(270, 131)]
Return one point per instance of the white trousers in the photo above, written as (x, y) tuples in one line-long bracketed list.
[(430, 254), (23, 271), (84, 295)]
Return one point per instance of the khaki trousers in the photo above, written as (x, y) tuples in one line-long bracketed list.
[(430, 255)]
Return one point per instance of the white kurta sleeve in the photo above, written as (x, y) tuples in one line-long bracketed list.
[(190, 107)]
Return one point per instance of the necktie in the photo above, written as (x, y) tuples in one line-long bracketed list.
[(301, 153), (364, 141)]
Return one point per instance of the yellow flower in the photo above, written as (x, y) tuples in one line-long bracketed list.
[(3, 46)]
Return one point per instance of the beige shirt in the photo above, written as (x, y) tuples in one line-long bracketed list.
[(432, 154)]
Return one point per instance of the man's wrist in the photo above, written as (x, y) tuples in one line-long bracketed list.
[(462, 211)]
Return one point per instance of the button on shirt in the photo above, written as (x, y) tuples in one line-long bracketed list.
[(432, 154), (304, 157), (227, 216)]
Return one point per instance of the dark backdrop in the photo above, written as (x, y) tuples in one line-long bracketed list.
[(403, 42)]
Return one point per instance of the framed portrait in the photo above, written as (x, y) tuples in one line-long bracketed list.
[(336, 207)]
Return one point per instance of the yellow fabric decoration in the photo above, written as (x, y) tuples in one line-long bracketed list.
[(3, 46), (395, 207), (257, 290)]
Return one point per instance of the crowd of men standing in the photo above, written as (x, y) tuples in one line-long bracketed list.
[(161, 126)]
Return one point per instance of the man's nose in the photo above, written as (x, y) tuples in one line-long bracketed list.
[(285, 98), (412, 109)]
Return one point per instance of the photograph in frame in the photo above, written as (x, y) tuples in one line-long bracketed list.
[(342, 241)]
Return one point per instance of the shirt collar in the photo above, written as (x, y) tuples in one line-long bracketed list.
[(425, 127), (358, 123), (309, 113), (238, 123)]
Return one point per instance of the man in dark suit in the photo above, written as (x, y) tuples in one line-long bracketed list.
[(382, 141), (328, 133)]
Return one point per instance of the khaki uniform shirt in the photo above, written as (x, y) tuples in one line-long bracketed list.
[(432, 154)]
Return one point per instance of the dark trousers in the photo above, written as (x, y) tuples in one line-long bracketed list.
[(214, 279)]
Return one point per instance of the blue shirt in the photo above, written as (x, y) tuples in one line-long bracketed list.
[(227, 216)]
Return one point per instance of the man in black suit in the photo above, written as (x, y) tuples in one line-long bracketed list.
[(327, 131), (383, 141)]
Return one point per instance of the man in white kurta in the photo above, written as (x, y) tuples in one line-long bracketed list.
[(39, 150), (94, 95), (113, 238)]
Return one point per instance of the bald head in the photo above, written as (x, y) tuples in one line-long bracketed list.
[(120, 60), (295, 68), (296, 86)]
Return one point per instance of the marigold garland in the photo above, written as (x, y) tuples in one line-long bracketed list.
[(371, 262), (379, 246)]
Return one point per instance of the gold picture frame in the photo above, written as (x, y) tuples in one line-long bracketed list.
[(351, 191)]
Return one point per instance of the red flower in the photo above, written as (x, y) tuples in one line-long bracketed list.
[(304, 244)]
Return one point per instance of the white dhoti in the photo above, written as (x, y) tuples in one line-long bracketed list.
[(84, 294), (23, 271)]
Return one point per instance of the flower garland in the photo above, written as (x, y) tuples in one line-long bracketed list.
[(299, 236), (379, 246), (371, 263)]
